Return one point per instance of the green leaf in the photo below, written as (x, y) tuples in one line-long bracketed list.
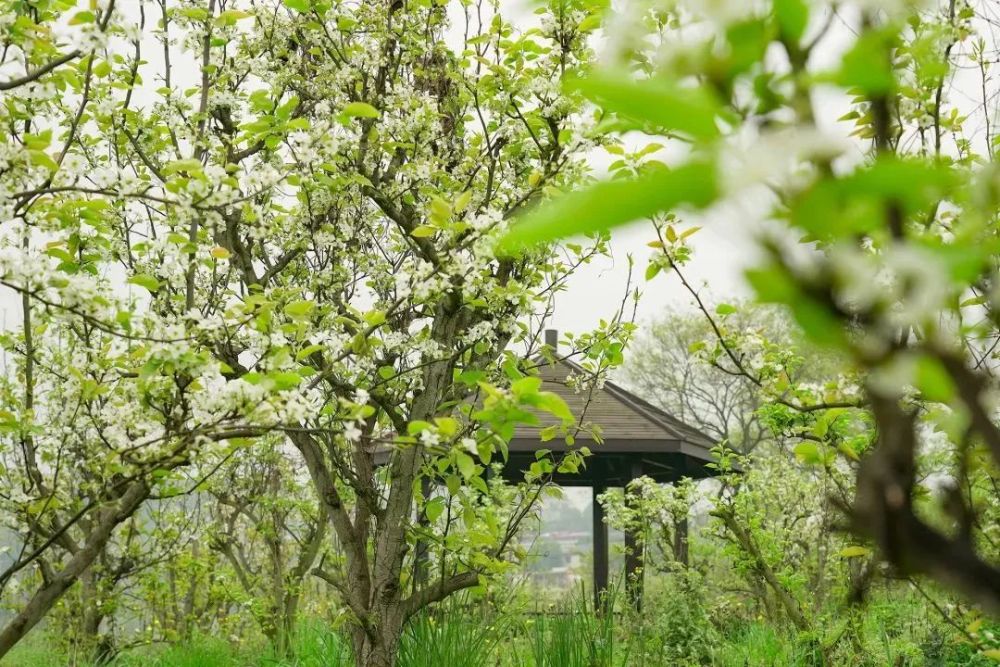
[(423, 232), (661, 103), (298, 5), (853, 552), (299, 309), (418, 426), (284, 380), (42, 159), (772, 284), (194, 13), (826, 419), (307, 352), (462, 201), (612, 203), (556, 406), (934, 381), (434, 509), (817, 322), (440, 210), (375, 317), (82, 17), (747, 40), (470, 377), (725, 309), (526, 386), (38, 141), (190, 164), (856, 203), (231, 16), (591, 22), (848, 451), (792, 17), (808, 452), (485, 450), (466, 465), (285, 111), (145, 280), (868, 65), (447, 426), (102, 69), (360, 110)]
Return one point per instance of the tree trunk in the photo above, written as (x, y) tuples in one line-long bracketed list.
[(47, 595), (288, 620), (381, 647), (381, 654), (371, 585), (90, 618), (98, 648)]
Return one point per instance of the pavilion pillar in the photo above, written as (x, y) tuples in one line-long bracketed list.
[(681, 540), (634, 547), (600, 547)]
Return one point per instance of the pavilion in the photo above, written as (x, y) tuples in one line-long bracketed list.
[(638, 439)]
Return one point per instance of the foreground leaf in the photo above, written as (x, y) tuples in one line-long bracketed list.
[(612, 203)]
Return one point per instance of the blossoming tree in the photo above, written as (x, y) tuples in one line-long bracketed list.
[(225, 220)]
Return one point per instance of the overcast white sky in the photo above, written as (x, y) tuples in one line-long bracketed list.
[(723, 249)]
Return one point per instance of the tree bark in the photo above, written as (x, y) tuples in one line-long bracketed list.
[(46, 596), (88, 640), (380, 649)]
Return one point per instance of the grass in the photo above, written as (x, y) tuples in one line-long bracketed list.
[(198, 652), (315, 645), (574, 636), (761, 645), (461, 633), (449, 636)]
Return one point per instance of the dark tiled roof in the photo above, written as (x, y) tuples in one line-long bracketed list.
[(627, 422)]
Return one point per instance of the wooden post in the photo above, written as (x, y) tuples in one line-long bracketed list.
[(681, 541), (600, 547), (633, 549)]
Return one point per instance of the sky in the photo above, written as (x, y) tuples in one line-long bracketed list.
[(725, 245), (723, 249)]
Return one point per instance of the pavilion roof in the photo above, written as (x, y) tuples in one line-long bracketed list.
[(627, 423)]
